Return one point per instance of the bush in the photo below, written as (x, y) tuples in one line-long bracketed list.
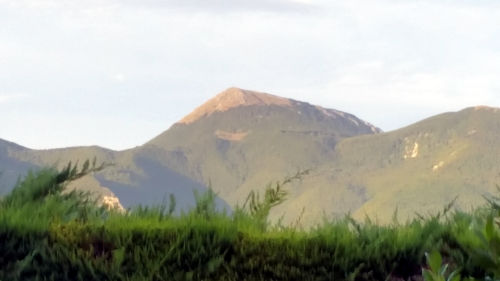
[(46, 234)]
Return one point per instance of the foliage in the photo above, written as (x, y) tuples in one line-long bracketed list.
[(437, 271), (48, 234), (259, 208), (487, 253)]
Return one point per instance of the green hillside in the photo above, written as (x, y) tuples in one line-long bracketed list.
[(243, 148), (416, 169), (242, 140)]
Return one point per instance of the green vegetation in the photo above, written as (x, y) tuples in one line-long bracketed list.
[(437, 271), (49, 234)]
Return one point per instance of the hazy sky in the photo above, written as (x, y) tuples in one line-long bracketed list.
[(118, 72)]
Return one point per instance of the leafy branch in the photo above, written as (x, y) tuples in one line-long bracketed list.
[(259, 208)]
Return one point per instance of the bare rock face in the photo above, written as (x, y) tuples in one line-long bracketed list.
[(231, 98), (112, 203)]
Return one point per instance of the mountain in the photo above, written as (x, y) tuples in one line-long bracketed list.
[(130, 180), (242, 140), (224, 143), (416, 169), (11, 168), (422, 166)]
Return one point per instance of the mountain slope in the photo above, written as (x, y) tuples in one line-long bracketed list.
[(11, 168), (238, 141), (416, 169), (131, 178), (454, 154), (242, 140)]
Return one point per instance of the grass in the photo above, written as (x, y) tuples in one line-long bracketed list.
[(47, 234)]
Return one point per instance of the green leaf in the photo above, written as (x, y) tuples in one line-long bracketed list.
[(434, 260), (118, 257), (442, 272), (489, 228), (454, 276), (428, 276)]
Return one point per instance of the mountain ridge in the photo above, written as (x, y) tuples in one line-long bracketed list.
[(240, 140), (231, 98)]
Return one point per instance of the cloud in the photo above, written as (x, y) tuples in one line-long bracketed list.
[(227, 5), (278, 6), (119, 77), (392, 96), (6, 98)]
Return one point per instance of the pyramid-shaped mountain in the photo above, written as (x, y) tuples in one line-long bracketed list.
[(236, 142), (241, 140)]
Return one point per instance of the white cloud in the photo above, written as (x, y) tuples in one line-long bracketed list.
[(5, 98), (119, 77), (226, 5), (100, 6)]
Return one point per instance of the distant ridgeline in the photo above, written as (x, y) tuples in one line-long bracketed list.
[(240, 141)]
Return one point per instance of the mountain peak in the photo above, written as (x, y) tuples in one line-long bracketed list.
[(231, 98), (486, 108), (6, 143)]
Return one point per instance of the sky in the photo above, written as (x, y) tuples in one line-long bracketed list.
[(116, 73)]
